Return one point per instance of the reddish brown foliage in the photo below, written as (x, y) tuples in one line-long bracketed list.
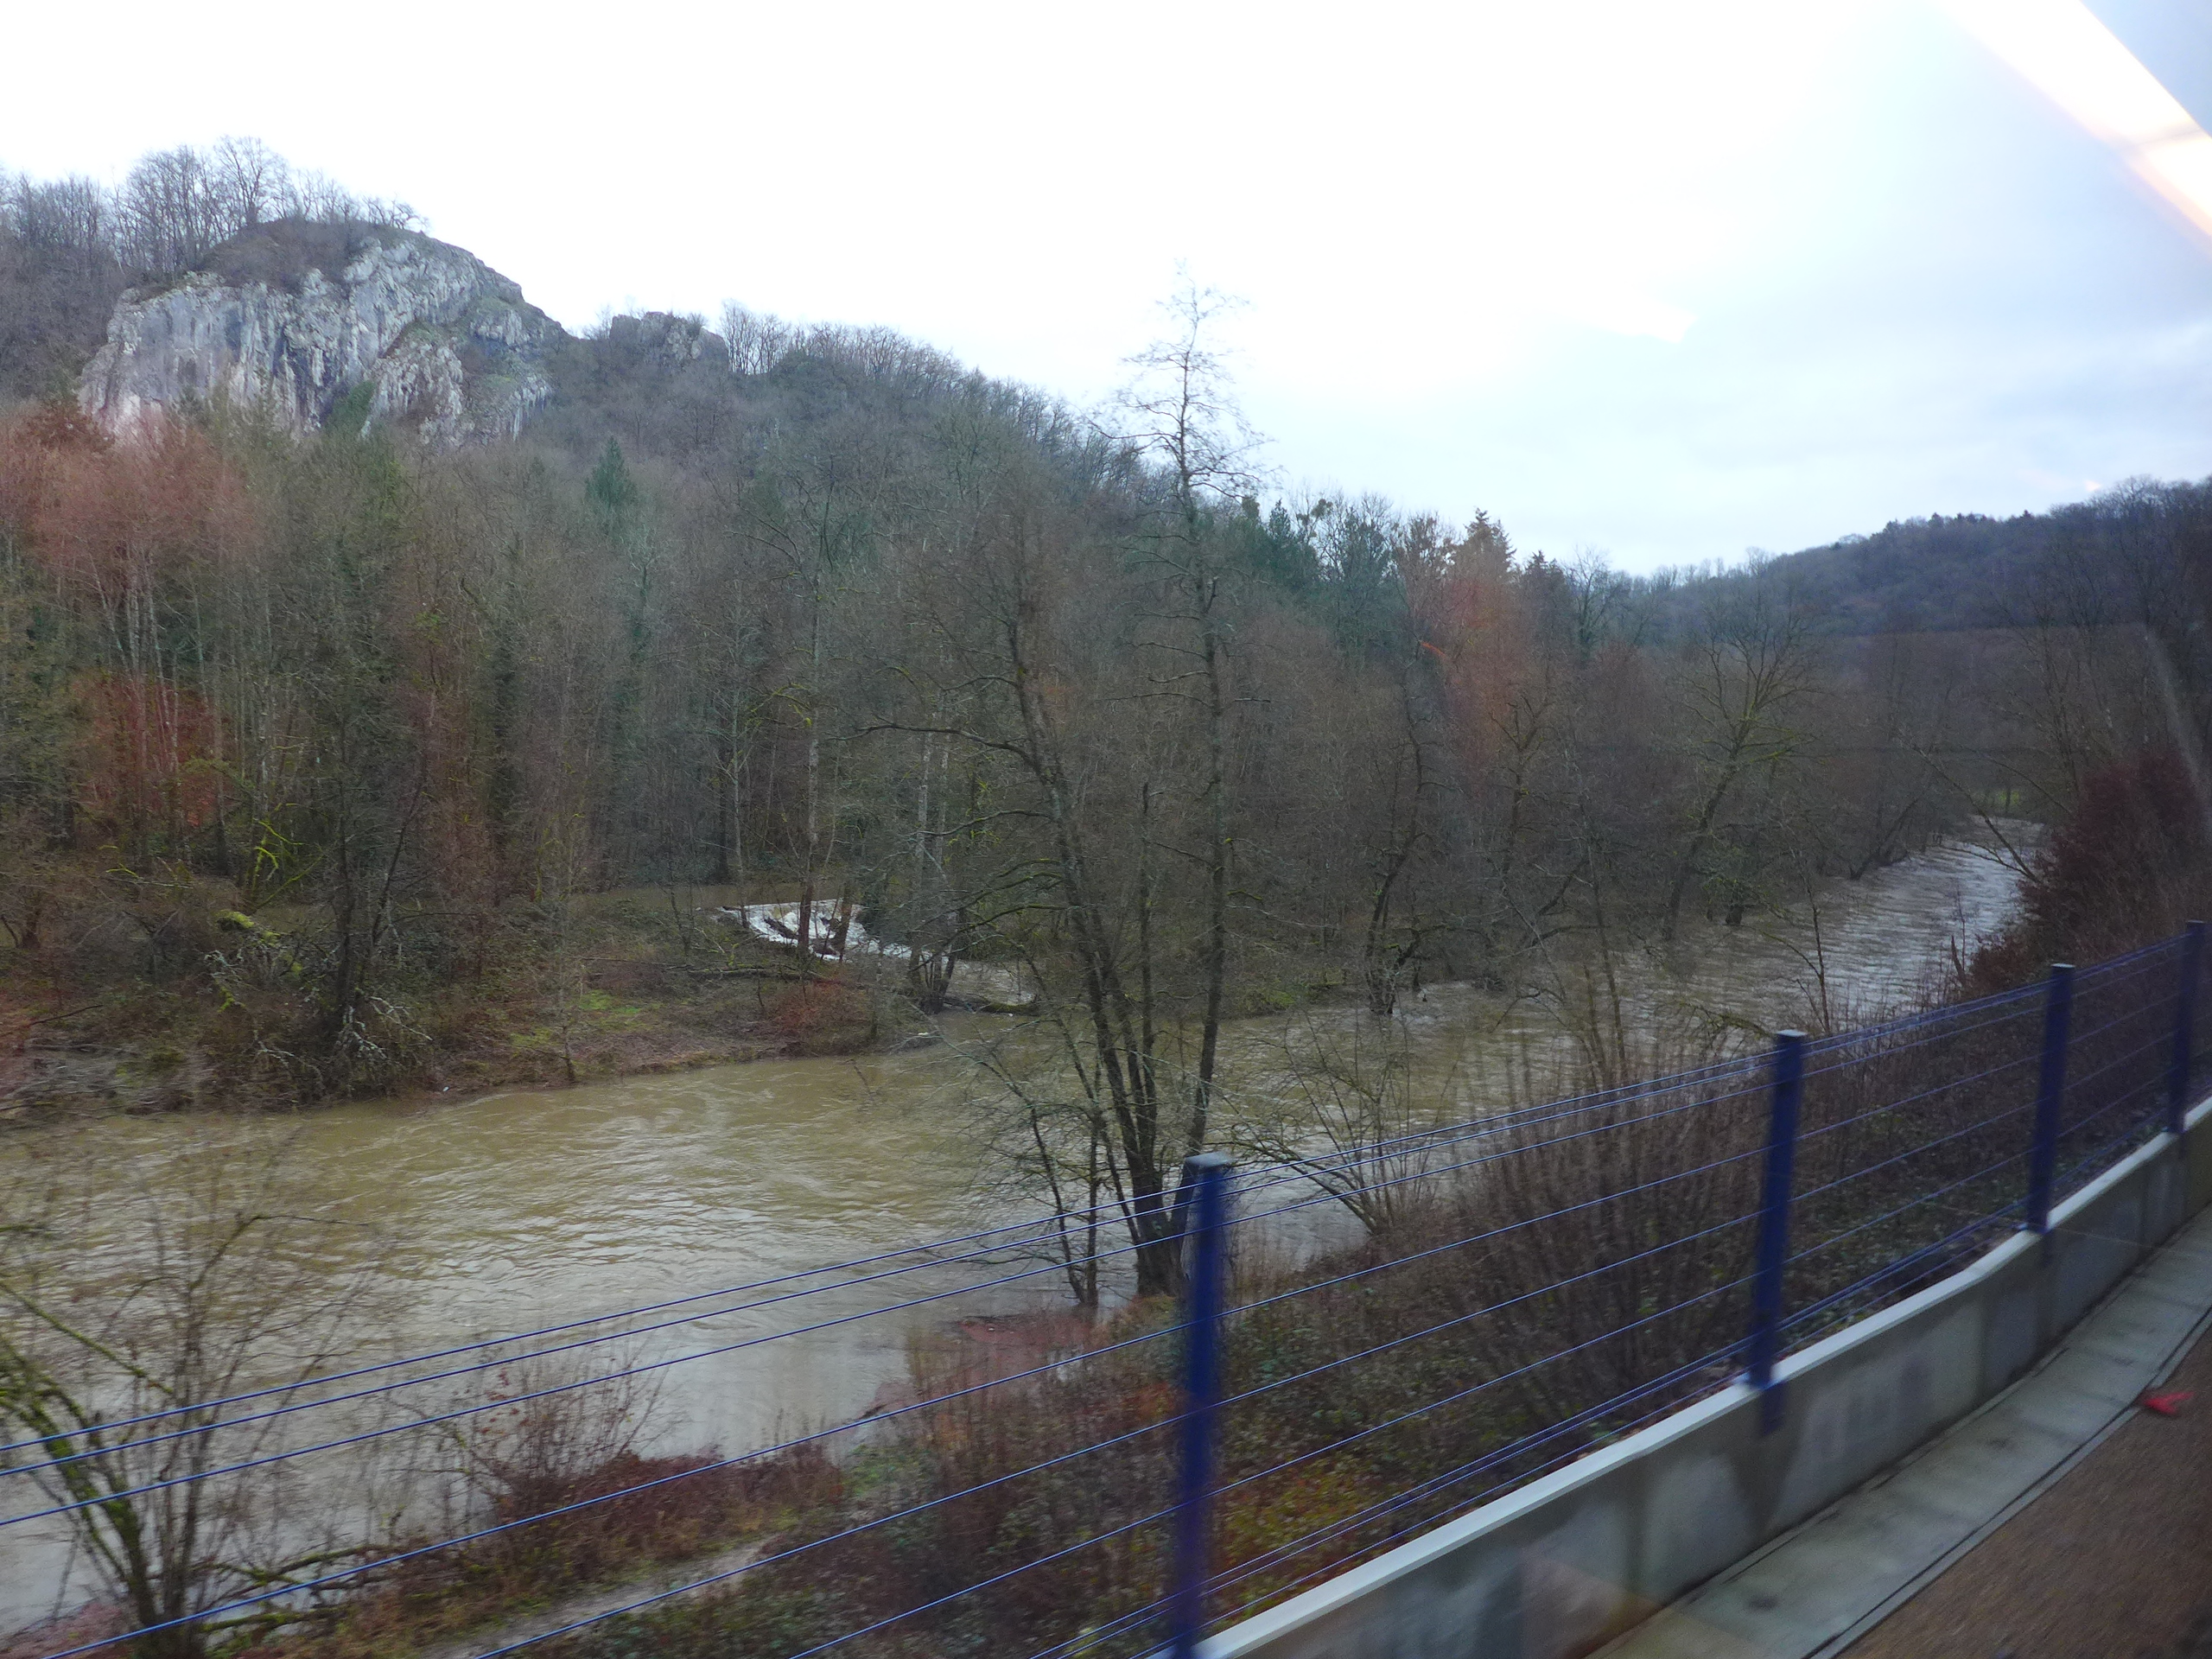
[(815, 1008), (2128, 866), (147, 754), (58, 426), (1467, 605), (123, 531), (666, 1521), (105, 518)]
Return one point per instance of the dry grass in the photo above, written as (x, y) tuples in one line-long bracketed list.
[(455, 1593)]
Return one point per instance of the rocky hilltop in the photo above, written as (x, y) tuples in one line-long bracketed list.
[(295, 318), (670, 341)]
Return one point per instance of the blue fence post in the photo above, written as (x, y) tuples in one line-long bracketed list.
[(2177, 1069), (1774, 1224), (2050, 1091), (1205, 1193)]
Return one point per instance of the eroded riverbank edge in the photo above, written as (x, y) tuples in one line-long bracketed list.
[(633, 1019), (634, 1010)]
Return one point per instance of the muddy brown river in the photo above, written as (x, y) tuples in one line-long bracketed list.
[(522, 1209)]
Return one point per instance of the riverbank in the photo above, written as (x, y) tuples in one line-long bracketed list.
[(627, 984), (194, 1008), (623, 1028)]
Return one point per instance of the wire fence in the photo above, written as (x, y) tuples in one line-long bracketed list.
[(1521, 1288)]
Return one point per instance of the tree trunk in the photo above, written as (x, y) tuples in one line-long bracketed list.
[(1217, 947)]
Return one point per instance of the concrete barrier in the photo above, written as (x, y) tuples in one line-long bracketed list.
[(1558, 1568)]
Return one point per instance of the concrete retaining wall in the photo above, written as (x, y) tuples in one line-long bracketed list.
[(1554, 1569)]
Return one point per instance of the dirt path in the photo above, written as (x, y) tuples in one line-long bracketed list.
[(97, 1619), (2112, 1561), (589, 1604)]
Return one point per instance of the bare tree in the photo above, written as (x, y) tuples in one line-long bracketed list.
[(132, 1297), (1183, 413), (1341, 1102), (252, 182), (172, 216), (756, 341), (1747, 667)]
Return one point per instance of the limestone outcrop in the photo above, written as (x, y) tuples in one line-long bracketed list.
[(295, 323), (667, 340)]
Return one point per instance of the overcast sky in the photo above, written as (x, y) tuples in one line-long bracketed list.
[(1664, 281)]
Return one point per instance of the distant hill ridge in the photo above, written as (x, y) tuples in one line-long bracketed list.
[(1965, 571), (220, 277), (381, 325)]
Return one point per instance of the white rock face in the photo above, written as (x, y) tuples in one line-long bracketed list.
[(667, 340), (448, 344)]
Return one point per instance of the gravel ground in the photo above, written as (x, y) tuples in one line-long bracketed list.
[(2113, 1562)]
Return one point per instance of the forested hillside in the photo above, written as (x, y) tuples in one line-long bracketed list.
[(337, 763)]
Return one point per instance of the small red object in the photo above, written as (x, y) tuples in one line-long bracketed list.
[(2166, 1405)]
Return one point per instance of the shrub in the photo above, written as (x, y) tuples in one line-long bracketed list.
[(813, 1009), (2126, 867)]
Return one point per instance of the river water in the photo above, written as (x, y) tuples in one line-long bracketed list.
[(521, 1209)]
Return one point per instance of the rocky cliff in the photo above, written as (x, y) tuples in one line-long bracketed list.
[(668, 341), (295, 317)]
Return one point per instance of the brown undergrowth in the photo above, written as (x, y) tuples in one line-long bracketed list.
[(2129, 865), (1556, 1283), (150, 994), (452, 1593), (1548, 1284), (595, 1511)]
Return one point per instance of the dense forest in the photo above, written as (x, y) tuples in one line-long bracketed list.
[(338, 763)]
